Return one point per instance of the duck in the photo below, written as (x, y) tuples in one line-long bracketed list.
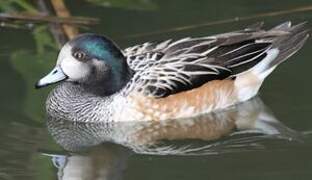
[(97, 81)]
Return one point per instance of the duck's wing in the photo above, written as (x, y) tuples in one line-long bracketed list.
[(169, 67)]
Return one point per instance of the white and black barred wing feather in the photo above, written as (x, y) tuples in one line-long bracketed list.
[(169, 67)]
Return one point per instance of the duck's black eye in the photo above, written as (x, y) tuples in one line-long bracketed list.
[(79, 55)]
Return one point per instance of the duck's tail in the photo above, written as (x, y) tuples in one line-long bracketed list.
[(247, 84), (282, 48)]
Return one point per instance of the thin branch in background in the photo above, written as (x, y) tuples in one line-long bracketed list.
[(52, 12), (61, 11), (16, 25), (41, 18), (61, 32), (55, 28), (225, 21)]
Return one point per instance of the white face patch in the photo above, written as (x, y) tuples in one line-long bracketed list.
[(74, 69)]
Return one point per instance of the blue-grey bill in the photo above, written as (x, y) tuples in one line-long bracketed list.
[(56, 75)]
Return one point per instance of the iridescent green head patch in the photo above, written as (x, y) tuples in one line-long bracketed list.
[(100, 48)]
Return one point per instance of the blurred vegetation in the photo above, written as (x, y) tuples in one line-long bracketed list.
[(40, 32), (128, 4), (9, 6), (46, 46)]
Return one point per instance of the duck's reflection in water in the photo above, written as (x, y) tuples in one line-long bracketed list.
[(241, 128)]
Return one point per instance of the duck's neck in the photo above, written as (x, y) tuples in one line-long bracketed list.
[(69, 101), (109, 82), (108, 85)]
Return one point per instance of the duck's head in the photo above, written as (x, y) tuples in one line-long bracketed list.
[(92, 61)]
